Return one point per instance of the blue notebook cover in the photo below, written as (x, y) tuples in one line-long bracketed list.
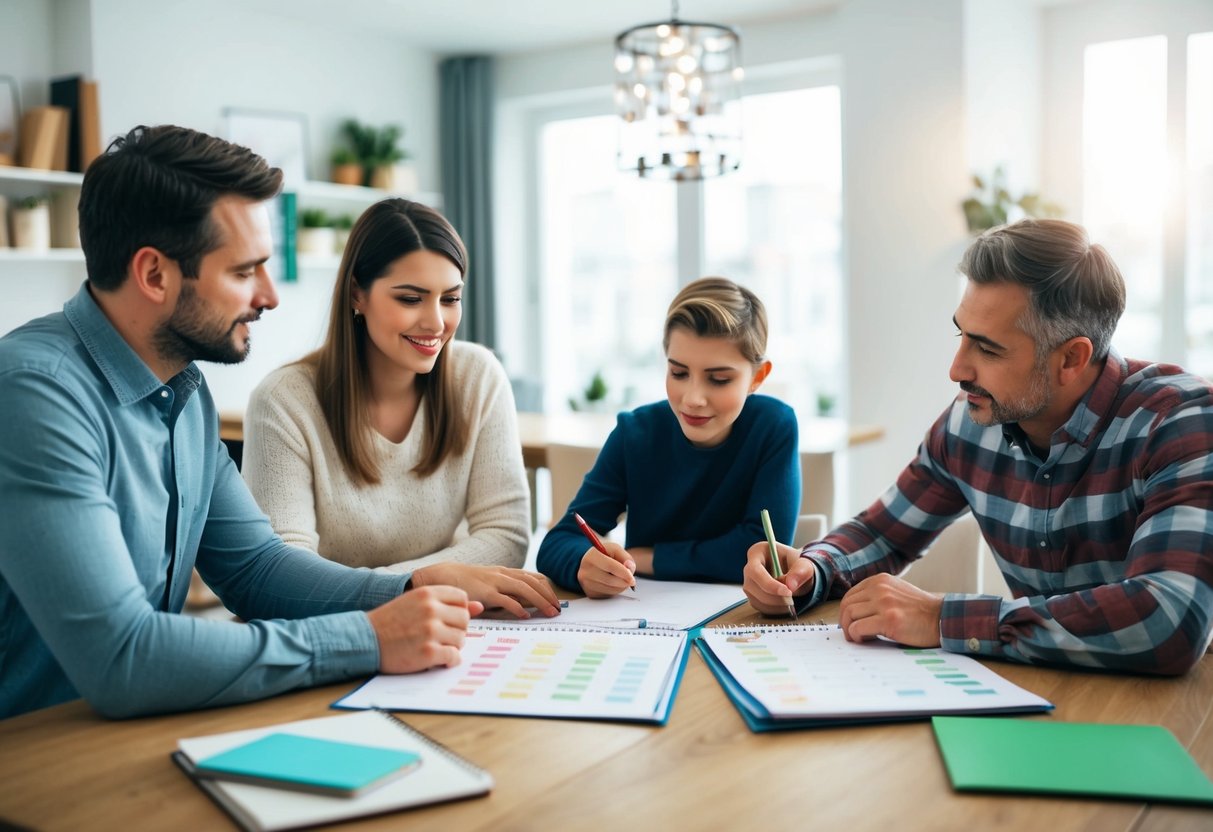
[(308, 764)]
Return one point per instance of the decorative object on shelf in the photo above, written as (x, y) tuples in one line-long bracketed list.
[(79, 97), (43, 143), (3, 221), (678, 93), (379, 151), (342, 225), (347, 170), (991, 204), (31, 220), (593, 398), (315, 234), (279, 137), (10, 118), (65, 218)]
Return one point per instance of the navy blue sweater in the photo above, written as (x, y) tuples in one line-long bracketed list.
[(697, 507)]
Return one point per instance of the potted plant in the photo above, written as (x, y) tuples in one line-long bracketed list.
[(32, 223), (347, 170), (593, 397), (316, 234), (991, 204), (379, 151)]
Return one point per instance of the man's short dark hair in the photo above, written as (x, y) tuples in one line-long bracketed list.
[(1074, 288), (155, 187)]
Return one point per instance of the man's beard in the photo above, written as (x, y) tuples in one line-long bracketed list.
[(1031, 404), (190, 335)]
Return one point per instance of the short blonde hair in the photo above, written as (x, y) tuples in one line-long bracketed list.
[(716, 307)]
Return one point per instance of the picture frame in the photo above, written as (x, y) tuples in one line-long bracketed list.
[(280, 137), (10, 119)]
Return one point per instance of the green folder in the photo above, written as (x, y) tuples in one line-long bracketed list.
[(289, 761), (1139, 762)]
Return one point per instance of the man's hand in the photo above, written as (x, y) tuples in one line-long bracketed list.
[(602, 576), (884, 605), (766, 594), (512, 590), (422, 628)]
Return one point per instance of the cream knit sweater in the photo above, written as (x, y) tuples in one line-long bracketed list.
[(404, 522)]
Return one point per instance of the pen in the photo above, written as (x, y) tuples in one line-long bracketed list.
[(594, 539), (776, 567)]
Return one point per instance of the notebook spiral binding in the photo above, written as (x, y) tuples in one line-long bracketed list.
[(583, 628), (433, 743)]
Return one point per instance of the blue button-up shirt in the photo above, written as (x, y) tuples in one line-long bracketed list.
[(113, 486)]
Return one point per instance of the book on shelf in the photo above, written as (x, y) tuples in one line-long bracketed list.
[(44, 138), (79, 97)]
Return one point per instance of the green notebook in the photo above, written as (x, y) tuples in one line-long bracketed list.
[(1139, 762), (289, 761)]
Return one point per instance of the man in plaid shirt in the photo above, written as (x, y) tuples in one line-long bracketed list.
[(1091, 476)]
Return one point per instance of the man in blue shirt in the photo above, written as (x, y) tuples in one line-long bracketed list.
[(114, 483)]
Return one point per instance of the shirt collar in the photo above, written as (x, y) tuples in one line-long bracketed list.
[(1090, 412), (125, 372)]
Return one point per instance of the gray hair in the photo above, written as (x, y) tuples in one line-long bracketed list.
[(1074, 288)]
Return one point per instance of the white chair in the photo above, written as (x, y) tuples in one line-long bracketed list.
[(817, 484), (809, 527), (568, 465), (958, 561)]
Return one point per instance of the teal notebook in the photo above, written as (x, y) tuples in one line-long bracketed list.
[(1138, 762), (290, 761)]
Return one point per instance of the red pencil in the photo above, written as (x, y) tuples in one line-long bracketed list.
[(594, 539)]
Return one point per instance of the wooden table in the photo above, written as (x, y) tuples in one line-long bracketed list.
[(64, 768)]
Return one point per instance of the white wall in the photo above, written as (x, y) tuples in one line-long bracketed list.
[(172, 61), (1002, 90), (905, 174)]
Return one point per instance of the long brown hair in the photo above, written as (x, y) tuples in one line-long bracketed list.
[(385, 232)]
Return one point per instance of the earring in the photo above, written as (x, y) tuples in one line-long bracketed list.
[(357, 313)]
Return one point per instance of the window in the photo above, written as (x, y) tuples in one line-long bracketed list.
[(1124, 176), (615, 249), (1200, 204), (776, 227)]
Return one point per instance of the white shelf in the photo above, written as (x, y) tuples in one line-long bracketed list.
[(34, 176), (54, 255), (357, 194)]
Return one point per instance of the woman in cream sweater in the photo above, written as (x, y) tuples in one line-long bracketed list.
[(393, 446)]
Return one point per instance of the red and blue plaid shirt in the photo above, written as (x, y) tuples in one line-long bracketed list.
[(1106, 545)]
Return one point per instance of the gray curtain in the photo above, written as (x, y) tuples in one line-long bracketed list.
[(466, 137)]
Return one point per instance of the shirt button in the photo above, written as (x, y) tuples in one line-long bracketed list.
[(973, 645), (1044, 543), (164, 394), (1048, 476)]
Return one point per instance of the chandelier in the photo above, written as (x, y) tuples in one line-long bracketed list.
[(678, 93)]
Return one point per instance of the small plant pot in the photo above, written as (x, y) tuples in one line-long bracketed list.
[(320, 242), (32, 228), (348, 174), (397, 179)]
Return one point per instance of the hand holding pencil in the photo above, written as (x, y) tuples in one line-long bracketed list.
[(606, 568), (776, 566), (775, 574)]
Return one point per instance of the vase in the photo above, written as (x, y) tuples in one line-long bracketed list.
[(348, 174), (32, 228), (320, 242), (397, 179)]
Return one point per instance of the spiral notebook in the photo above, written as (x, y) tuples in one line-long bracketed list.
[(550, 671), (440, 776), (808, 676)]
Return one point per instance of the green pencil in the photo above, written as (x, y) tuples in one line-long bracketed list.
[(776, 567)]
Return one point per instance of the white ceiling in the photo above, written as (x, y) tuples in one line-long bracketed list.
[(499, 26)]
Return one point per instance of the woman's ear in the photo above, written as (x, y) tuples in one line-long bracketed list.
[(760, 375)]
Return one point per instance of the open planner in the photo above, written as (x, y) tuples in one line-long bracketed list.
[(512, 669), (438, 776), (809, 676), (661, 605)]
